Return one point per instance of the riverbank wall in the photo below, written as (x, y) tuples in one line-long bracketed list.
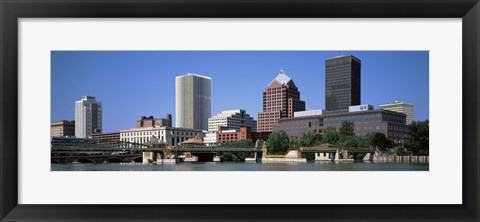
[(401, 159), (283, 160)]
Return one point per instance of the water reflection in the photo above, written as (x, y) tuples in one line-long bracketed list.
[(218, 166)]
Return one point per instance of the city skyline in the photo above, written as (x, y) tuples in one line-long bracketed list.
[(242, 75)]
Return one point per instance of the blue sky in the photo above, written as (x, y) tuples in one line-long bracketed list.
[(131, 84)]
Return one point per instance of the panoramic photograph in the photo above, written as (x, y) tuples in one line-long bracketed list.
[(239, 111)]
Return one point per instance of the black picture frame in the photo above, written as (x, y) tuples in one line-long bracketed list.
[(11, 11)]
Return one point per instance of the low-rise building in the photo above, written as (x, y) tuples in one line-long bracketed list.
[(149, 121), (210, 139), (400, 107), (225, 135), (193, 142), (106, 137), (173, 136), (232, 119), (62, 128), (392, 124)]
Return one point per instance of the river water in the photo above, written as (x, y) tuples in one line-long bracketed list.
[(221, 166)]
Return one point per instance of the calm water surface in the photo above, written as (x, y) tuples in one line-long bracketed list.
[(214, 166)]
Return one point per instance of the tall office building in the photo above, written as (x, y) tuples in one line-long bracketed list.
[(342, 83), (400, 107), (88, 117), (193, 101), (281, 99)]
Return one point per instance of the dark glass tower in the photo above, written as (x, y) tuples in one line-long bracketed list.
[(342, 83)]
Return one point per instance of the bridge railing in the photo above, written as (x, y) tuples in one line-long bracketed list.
[(214, 149), (91, 143), (276, 156)]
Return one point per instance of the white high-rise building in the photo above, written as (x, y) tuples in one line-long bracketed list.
[(400, 107), (88, 117), (233, 119), (193, 101)]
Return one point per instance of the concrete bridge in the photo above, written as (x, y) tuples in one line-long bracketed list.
[(333, 153), (206, 153)]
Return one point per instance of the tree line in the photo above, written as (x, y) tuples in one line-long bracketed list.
[(344, 137), (418, 144)]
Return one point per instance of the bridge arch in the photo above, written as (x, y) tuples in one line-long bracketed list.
[(114, 160), (85, 160), (55, 161), (138, 159)]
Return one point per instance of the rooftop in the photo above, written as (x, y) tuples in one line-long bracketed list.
[(342, 56), (281, 78), (194, 74), (227, 113), (194, 140), (396, 102)]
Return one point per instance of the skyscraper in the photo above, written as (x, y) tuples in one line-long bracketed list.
[(88, 117), (400, 107), (193, 101), (281, 99), (342, 82)]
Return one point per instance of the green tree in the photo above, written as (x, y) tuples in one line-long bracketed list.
[(294, 144), (363, 142), (330, 135), (379, 140), (309, 139), (346, 130), (402, 152), (278, 142), (230, 157), (419, 137), (348, 142), (318, 139)]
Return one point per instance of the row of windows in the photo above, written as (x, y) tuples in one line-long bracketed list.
[(150, 133), (146, 139), (360, 118), (303, 129), (274, 89), (292, 129), (393, 118), (268, 114), (370, 128), (398, 128), (397, 134), (230, 119)]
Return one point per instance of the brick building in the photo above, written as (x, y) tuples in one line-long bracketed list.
[(106, 137), (281, 99), (150, 121), (224, 135), (62, 128), (392, 124)]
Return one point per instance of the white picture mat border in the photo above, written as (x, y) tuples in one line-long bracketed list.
[(442, 184)]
